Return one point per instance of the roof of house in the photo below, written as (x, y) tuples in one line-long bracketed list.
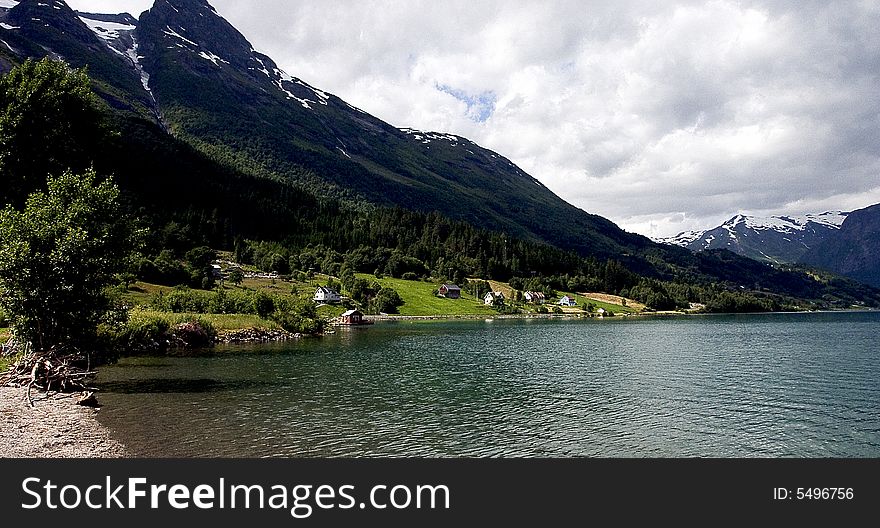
[(326, 290), (496, 294), (352, 312), (451, 287)]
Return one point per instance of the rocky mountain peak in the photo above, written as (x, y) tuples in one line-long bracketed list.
[(192, 31), (783, 238), (36, 17)]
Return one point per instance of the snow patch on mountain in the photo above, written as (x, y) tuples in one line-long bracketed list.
[(213, 58), (108, 31), (171, 33), (55, 5), (428, 137), (280, 77), (7, 26), (8, 4), (788, 224), (111, 33), (132, 54), (682, 239), (356, 109)]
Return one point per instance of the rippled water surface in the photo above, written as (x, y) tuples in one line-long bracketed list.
[(800, 385)]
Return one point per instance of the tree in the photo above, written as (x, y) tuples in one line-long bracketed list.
[(59, 255), (299, 316), (49, 122), (236, 276), (387, 301), (199, 260)]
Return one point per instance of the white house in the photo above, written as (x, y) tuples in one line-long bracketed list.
[(567, 301), (534, 297), (494, 299), (326, 295)]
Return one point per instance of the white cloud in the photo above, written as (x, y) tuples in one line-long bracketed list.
[(662, 116)]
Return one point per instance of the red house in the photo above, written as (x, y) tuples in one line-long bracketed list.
[(353, 318), (450, 291)]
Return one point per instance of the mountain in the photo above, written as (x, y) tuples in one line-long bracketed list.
[(214, 90), (855, 250), (186, 68), (773, 238), (212, 143)]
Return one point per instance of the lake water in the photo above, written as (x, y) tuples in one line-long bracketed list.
[(781, 385)]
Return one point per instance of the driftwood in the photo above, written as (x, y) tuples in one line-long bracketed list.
[(88, 399), (50, 370)]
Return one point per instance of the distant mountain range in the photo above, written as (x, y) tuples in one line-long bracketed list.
[(842, 242), (772, 238), (854, 250)]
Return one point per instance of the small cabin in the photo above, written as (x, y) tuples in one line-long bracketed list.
[(494, 299), (567, 301), (326, 295), (352, 318), (450, 291), (216, 271), (534, 297)]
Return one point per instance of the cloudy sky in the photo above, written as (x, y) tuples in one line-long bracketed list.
[(663, 116)]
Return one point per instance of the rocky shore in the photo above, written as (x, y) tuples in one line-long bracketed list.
[(55, 427), (255, 335)]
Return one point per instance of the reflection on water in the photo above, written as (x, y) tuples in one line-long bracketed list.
[(735, 386)]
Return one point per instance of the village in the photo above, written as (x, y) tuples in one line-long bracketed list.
[(504, 301)]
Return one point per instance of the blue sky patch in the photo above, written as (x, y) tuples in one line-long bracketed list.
[(480, 106)]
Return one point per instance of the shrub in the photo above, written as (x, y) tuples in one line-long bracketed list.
[(263, 305), (387, 301), (195, 334), (300, 317), (183, 300), (141, 331)]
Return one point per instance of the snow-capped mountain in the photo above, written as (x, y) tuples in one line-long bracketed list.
[(182, 66), (854, 251), (772, 238)]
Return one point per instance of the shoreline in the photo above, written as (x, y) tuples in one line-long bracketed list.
[(55, 427), (477, 317)]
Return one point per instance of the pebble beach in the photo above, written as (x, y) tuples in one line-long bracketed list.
[(55, 427)]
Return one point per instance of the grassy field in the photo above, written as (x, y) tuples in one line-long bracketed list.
[(328, 311), (142, 293), (420, 299), (583, 301), (220, 322), (614, 300)]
